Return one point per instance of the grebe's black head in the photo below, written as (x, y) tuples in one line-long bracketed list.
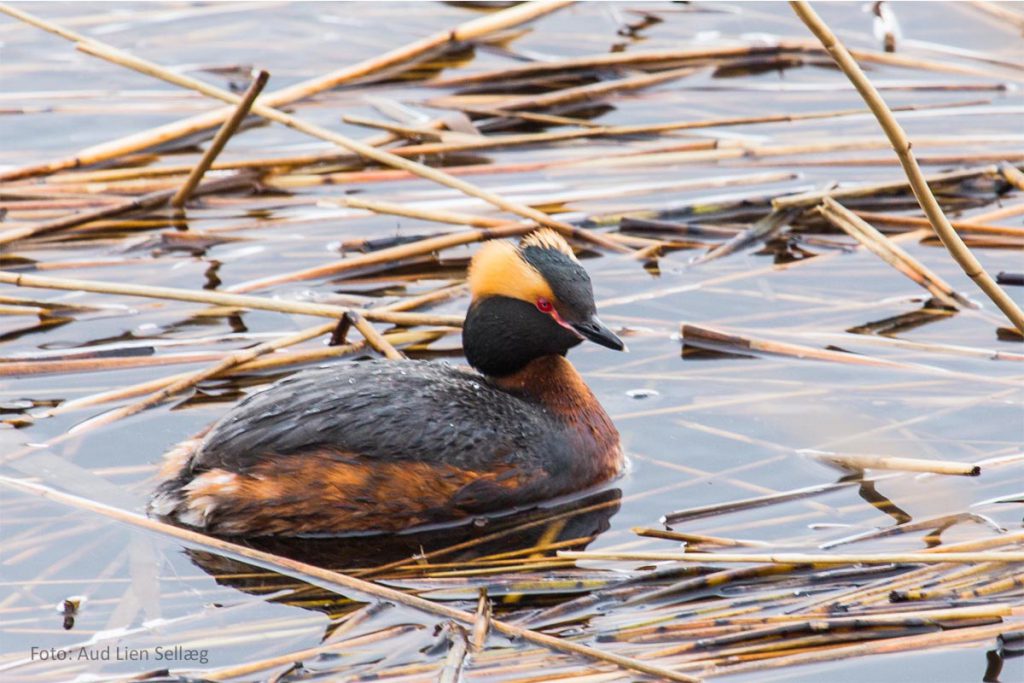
[(529, 301)]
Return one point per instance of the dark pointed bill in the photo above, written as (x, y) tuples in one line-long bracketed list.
[(595, 331)]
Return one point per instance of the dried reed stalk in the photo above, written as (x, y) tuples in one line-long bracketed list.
[(481, 622), (751, 503), (654, 59), (232, 360), (716, 340), (799, 558), (337, 581), (701, 539), (1012, 175), (637, 60), (436, 215), (760, 231), (374, 338), (6, 309), (597, 130), (966, 226), (406, 131), (222, 299), (458, 650), (221, 139), (391, 339), (812, 198), (860, 462), (592, 91), (877, 243), (950, 239), (1001, 13)]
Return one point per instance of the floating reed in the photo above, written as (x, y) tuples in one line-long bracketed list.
[(223, 299), (220, 139), (917, 222), (750, 503), (893, 254), (705, 337), (813, 198), (860, 462), (700, 539), (582, 92), (758, 232)]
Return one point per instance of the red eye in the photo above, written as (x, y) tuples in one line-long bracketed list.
[(544, 306)]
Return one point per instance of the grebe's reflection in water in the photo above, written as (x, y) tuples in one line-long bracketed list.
[(569, 525)]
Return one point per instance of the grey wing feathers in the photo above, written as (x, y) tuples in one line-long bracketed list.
[(407, 410)]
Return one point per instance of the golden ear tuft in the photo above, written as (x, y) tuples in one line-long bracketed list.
[(498, 269), (546, 238)]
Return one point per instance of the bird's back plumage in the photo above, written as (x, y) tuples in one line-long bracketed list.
[(364, 425)]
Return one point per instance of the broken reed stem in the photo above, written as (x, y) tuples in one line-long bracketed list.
[(582, 92), (336, 581), (798, 558), (598, 130), (473, 29), (714, 509), (481, 622), (860, 462), (436, 134), (458, 650), (965, 226), (1001, 13), (232, 360), (760, 231), (812, 198), (718, 340), (221, 139), (223, 299), (374, 338), (22, 368), (949, 237), (435, 215), (878, 244), (116, 56), (147, 201), (696, 538), (1012, 175)]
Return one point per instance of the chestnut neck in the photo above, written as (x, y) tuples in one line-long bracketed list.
[(551, 380)]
